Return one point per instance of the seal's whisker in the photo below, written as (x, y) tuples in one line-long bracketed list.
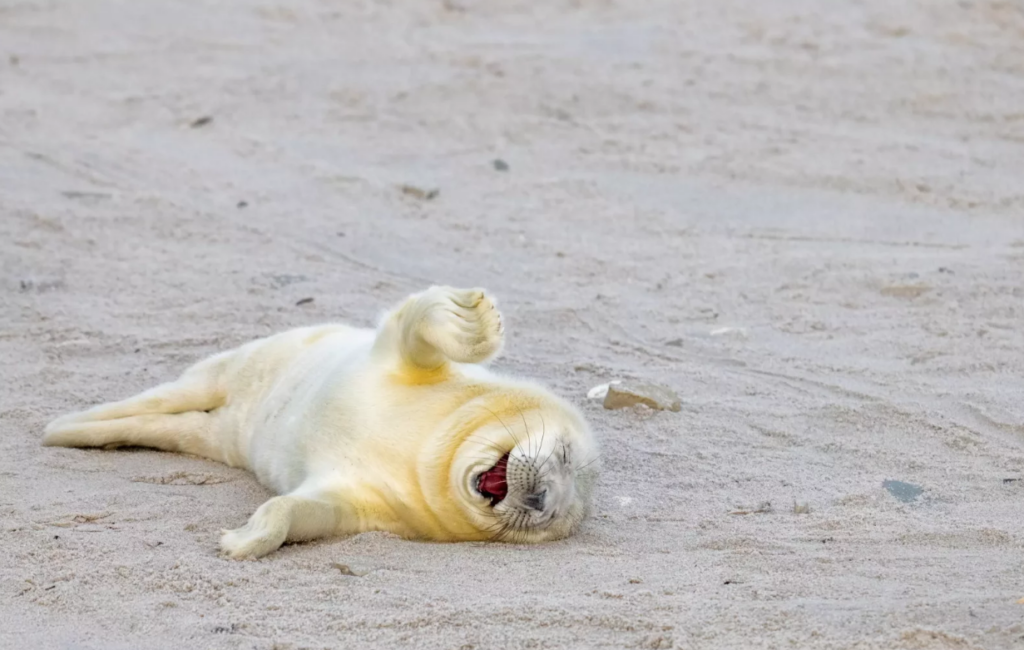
[(489, 459), (487, 444), (516, 440), (495, 526), (503, 530), (526, 428), (523, 536), (550, 454), (589, 463), (543, 430)]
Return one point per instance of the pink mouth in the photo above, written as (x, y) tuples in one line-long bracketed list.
[(492, 483)]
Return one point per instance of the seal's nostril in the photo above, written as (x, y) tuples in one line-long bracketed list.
[(535, 501)]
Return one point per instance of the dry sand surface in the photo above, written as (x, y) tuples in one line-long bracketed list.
[(841, 182)]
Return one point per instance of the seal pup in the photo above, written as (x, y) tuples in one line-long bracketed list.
[(397, 429)]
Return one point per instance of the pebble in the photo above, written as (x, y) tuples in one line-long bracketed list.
[(622, 394), (739, 332), (905, 492), (424, 194), (599, 391), (347, 570)]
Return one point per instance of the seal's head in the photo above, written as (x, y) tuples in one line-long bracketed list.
[(526, 473)]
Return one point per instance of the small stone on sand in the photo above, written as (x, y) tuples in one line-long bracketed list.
[(347, 570), (424, 194), (738, 332), (599, 391), (905, 492), (630, 393)]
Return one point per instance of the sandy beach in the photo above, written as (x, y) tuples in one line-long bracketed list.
[(806, 218)]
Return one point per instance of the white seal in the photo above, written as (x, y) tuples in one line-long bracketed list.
[(396, 429)]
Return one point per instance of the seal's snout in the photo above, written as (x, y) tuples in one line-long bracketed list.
[(536, 501)]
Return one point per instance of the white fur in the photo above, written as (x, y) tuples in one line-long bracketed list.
[(363, 430)]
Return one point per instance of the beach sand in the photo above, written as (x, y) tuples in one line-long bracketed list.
[(806, 218)]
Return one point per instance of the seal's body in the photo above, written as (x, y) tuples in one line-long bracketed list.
[(391, 429)]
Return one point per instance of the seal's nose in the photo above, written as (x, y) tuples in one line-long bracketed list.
[(536, 501)]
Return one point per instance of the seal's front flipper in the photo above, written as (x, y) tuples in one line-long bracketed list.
[(290, 518), (443, 324)]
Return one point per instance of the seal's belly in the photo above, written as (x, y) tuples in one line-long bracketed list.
[(284, 420)]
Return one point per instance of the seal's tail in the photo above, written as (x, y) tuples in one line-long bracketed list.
[(176, 416)]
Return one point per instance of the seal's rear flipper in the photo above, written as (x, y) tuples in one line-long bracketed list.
[(190, 433), (176, 416)]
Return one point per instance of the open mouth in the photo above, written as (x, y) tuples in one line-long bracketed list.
[(492, 484)]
